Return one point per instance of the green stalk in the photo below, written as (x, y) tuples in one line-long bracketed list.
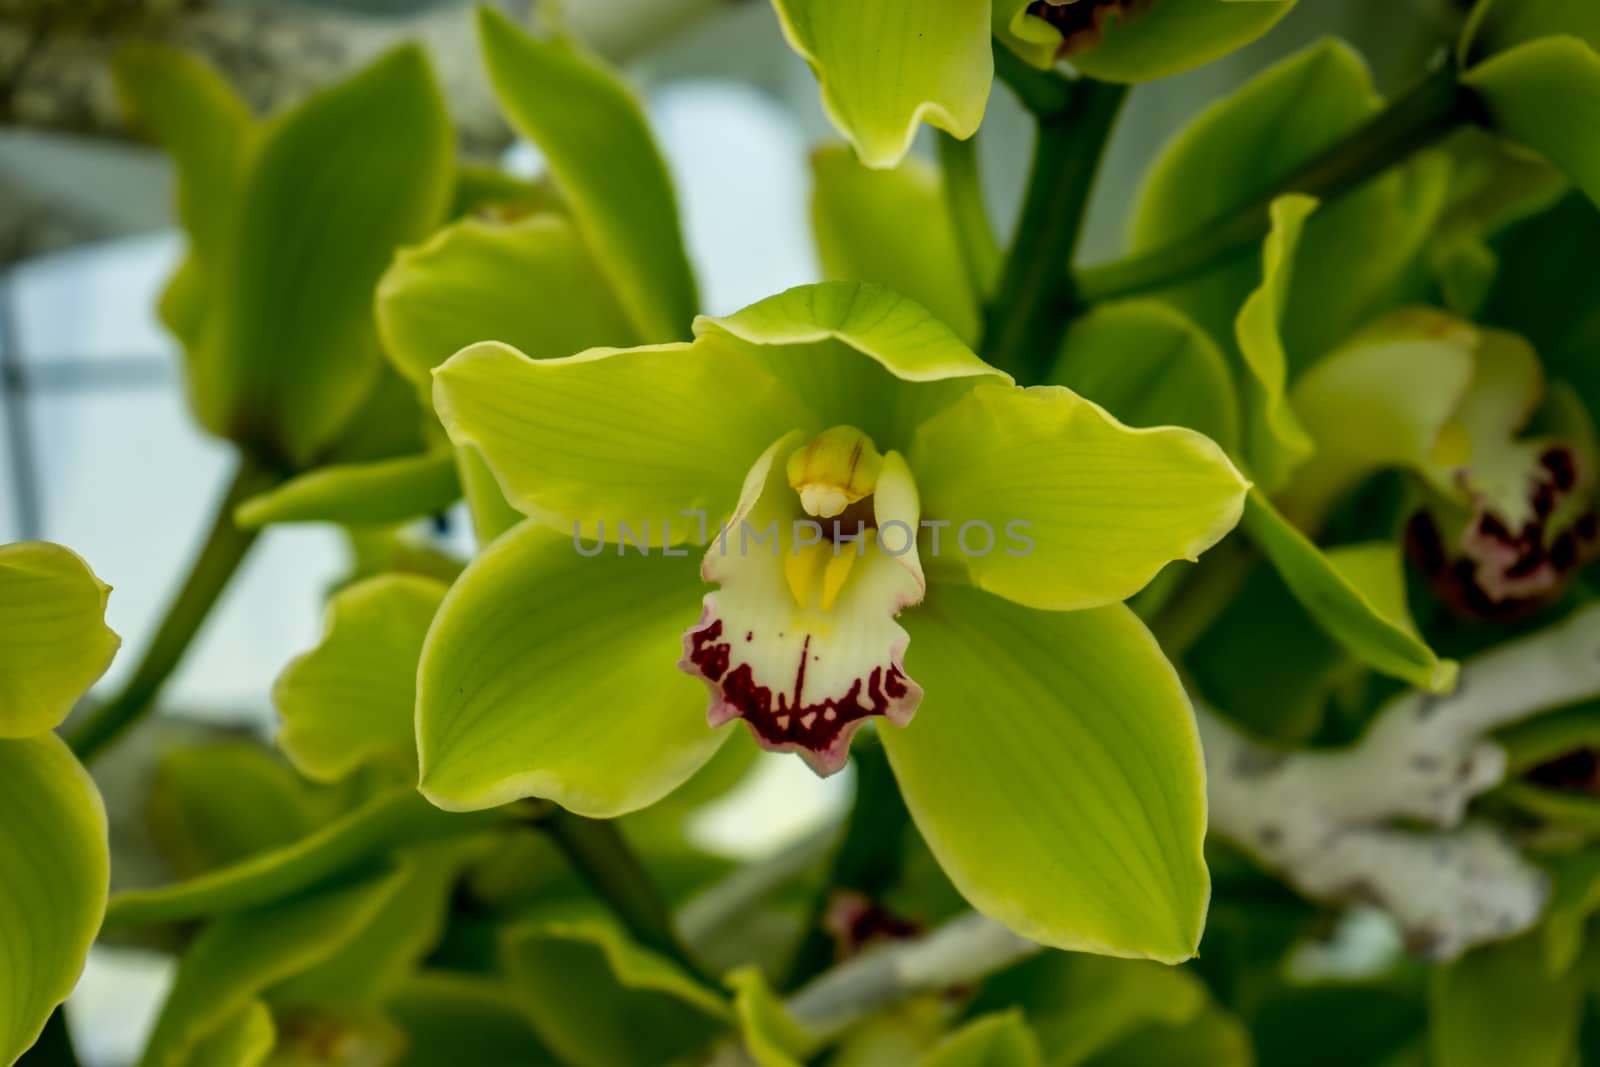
[(1026, 321), (605, 860), (963, 197), (1433, 108), (224, 550)]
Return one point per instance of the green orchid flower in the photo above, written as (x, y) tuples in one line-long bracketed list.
[(887, 66), (897, 534)]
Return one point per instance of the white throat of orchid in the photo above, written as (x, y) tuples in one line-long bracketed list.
[(800, 639)]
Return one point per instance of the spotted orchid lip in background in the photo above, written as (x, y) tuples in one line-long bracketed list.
[(559, 665)]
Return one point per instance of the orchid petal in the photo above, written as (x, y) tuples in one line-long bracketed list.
[(1545, 95), (1054, 770), (54, 641), (549, 674)]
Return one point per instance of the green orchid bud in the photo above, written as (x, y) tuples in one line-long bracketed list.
[(981, 538)]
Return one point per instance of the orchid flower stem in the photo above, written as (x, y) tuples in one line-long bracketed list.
[(1431, 110), (1025, 322), (600, 853), (224, 550), (963, 196)]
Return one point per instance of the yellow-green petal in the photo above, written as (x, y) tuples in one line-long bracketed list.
[(245, 1039), (887, 65), (593, 134), (531, 284), (1546, 95), (1173, 36), (54, 641), (892, 227), (1054, 770), (616, 436), (553, 674), (1083, 510), (382, 493), (53, 894), (453, 1018), (999, 1040), (1500, 25), (352, 700), (1274, 441), (1496, 1006), (858, 354), (1366, 624)]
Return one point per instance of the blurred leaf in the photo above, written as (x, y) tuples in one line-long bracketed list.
[(530, 283), (594, 136), (240, 956), (1336, 1024), (352, 700), (771, 1037), (1362, 620), (599, 1000), (1214, 1038), (891, 227), (383, 492), (212, 805), (244, 1040), (54, 641), (1574, 899), (1148, 365), (342, 845), (1496, 1006), (887, 66), (1113, 866), (1000, 1040), (290, 350), (53, 893), (1546, 95), (455, 1019), (1080, 1005), (1499, 25)]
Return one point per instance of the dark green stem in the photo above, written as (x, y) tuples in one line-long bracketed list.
[(604, 859), (969, 218), (1430, 110), (869, 857), (1024, 324), (225, 548)]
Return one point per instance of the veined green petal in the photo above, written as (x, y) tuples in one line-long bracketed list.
[(1499, 25), (594, 136), (597, 998), (352, 700), (553, 675), (1546, 94), (1274, 441), (1173, 36), (1149, 365), (531, 284), (617, 436), (1380, 639), (813, 338), (385, 492), (54, 641), (1054, 770), (999, 1040), (891, 226), (335, 186), (887, 65), (57, 869), (1080, 510), (240, 956)]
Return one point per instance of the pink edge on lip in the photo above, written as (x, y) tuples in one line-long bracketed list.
[(819, 732)]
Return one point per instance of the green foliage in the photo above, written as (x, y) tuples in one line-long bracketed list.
[(54, 642)]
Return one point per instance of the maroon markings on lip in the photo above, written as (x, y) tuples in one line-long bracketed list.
[(785, 719), (1082, 23)]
